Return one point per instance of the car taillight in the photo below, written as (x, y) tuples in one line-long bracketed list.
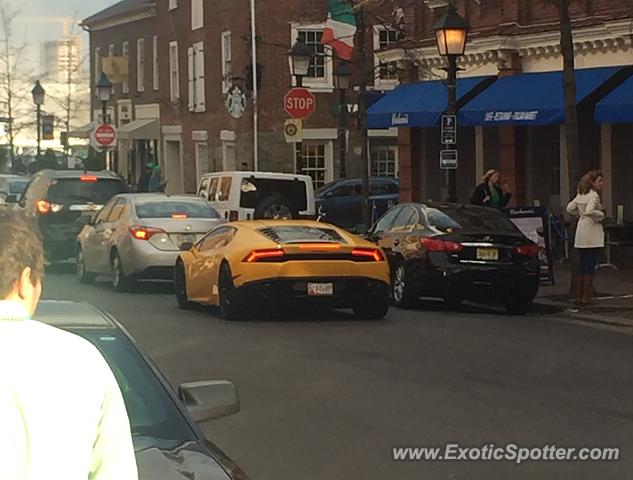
[(88, 179), (259, 255), (234, 216), (372, 254), (434, 245), (527, 250), (144, 233), (43, 207)]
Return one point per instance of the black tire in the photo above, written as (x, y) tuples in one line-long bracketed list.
[(230, 307), (120, 282), (275, 207), (83, 275), (375, 308), (402, 292), (180, 287), (518, 306)]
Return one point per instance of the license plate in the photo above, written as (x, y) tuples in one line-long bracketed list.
[(320, 289), (487, 254), (85, 208), (185, 239)]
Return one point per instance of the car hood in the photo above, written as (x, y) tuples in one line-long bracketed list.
[(187, 462)]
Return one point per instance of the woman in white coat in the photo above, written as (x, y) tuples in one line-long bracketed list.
[(589, 234)]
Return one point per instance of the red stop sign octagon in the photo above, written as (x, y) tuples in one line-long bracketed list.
[(299, 103), (105, 135)]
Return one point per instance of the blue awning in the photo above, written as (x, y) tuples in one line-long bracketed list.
[(531, 98), (419, 104), (617, 107)]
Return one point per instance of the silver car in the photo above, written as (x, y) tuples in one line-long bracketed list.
[(139, 236), (11, 187)]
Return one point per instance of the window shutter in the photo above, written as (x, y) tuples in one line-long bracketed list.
[(200, 85), (191, 76)]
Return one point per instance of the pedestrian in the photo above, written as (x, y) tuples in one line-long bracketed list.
[(62, 415), (156, 183), (143, 181), (589, 241), (490, 192)]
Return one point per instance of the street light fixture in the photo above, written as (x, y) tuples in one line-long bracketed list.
[(39, 94), (301, 57), (104, 93), (342, 82), (451, 33)]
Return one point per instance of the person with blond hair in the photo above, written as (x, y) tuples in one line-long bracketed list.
[(490, 192), (589, 241)]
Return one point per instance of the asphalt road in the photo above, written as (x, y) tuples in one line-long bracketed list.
[(325, 397)]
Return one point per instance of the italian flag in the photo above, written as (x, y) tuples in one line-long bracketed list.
[(340, 28)]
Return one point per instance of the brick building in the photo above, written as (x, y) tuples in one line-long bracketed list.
[(521, 38), (185, 59)]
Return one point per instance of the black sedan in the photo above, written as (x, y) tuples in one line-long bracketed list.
[(168, 443), (457, 253)]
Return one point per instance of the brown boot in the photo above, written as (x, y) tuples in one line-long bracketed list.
[(579, 289), (587, 290)]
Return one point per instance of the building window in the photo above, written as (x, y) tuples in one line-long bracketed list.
[(140, 65), (173, 4), (98, 64), (384, 160), (125, 51), (155, 64), (174, 72), (312, 38), (229, 156), (227, 57), (197, 86), (383, 39), (197, 14), (311, 159)]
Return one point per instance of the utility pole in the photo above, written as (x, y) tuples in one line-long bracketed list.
[(366, 217)]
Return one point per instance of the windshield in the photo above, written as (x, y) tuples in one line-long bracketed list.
[(72, 190), (152, 412), (449, 219), (169, 209), (17, 187)]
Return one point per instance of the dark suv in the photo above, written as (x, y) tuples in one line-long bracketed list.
[(58, 198)]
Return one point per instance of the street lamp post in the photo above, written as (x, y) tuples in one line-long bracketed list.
[(342, 82), (451, 33), (104, 92), (39, 94), (300, 57)]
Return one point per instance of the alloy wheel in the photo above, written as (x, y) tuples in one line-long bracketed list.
[(399, 284)]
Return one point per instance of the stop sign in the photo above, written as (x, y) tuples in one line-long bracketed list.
[(299, 103), (105, 135)]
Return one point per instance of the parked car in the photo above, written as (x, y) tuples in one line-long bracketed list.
[(11, 187), (457, 252), (244, 266), (258, 195), (58, 198), (340, 202), (166, 438), (138, 236)]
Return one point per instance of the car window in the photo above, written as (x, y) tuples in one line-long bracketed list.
[(152, 412), (449, 219), (175, 209), (224, 191), (16, 187), (204, 185), (384, 224), (117, 211), (215, 239), (405, 220), (213, 188), (347, 190), (88, 190), (383, 188), (105, 212)]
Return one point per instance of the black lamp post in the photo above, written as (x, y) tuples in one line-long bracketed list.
[(301, 57), (104, 93), (39, 94), (451, 33), (342, 82)]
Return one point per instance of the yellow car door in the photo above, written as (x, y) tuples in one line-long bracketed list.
[(203, 271)]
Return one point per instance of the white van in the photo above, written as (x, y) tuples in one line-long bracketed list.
[(259, 195)]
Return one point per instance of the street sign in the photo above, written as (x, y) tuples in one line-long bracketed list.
[(104, 136), (449, 129), (299, 103), (293, 130), (448, 159)]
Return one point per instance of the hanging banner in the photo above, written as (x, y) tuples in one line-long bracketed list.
[(48, 127)]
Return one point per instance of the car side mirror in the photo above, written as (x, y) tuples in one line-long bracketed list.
[(186, 246), (209, 400), (11, 199)]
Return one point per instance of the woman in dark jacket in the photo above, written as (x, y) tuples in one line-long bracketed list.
[(490, 193)]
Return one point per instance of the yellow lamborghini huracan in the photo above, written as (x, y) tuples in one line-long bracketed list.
[(243, 266)]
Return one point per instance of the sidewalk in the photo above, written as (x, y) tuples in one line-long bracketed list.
[(614, 302)]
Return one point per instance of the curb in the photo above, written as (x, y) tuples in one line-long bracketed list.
[(562, 310)]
